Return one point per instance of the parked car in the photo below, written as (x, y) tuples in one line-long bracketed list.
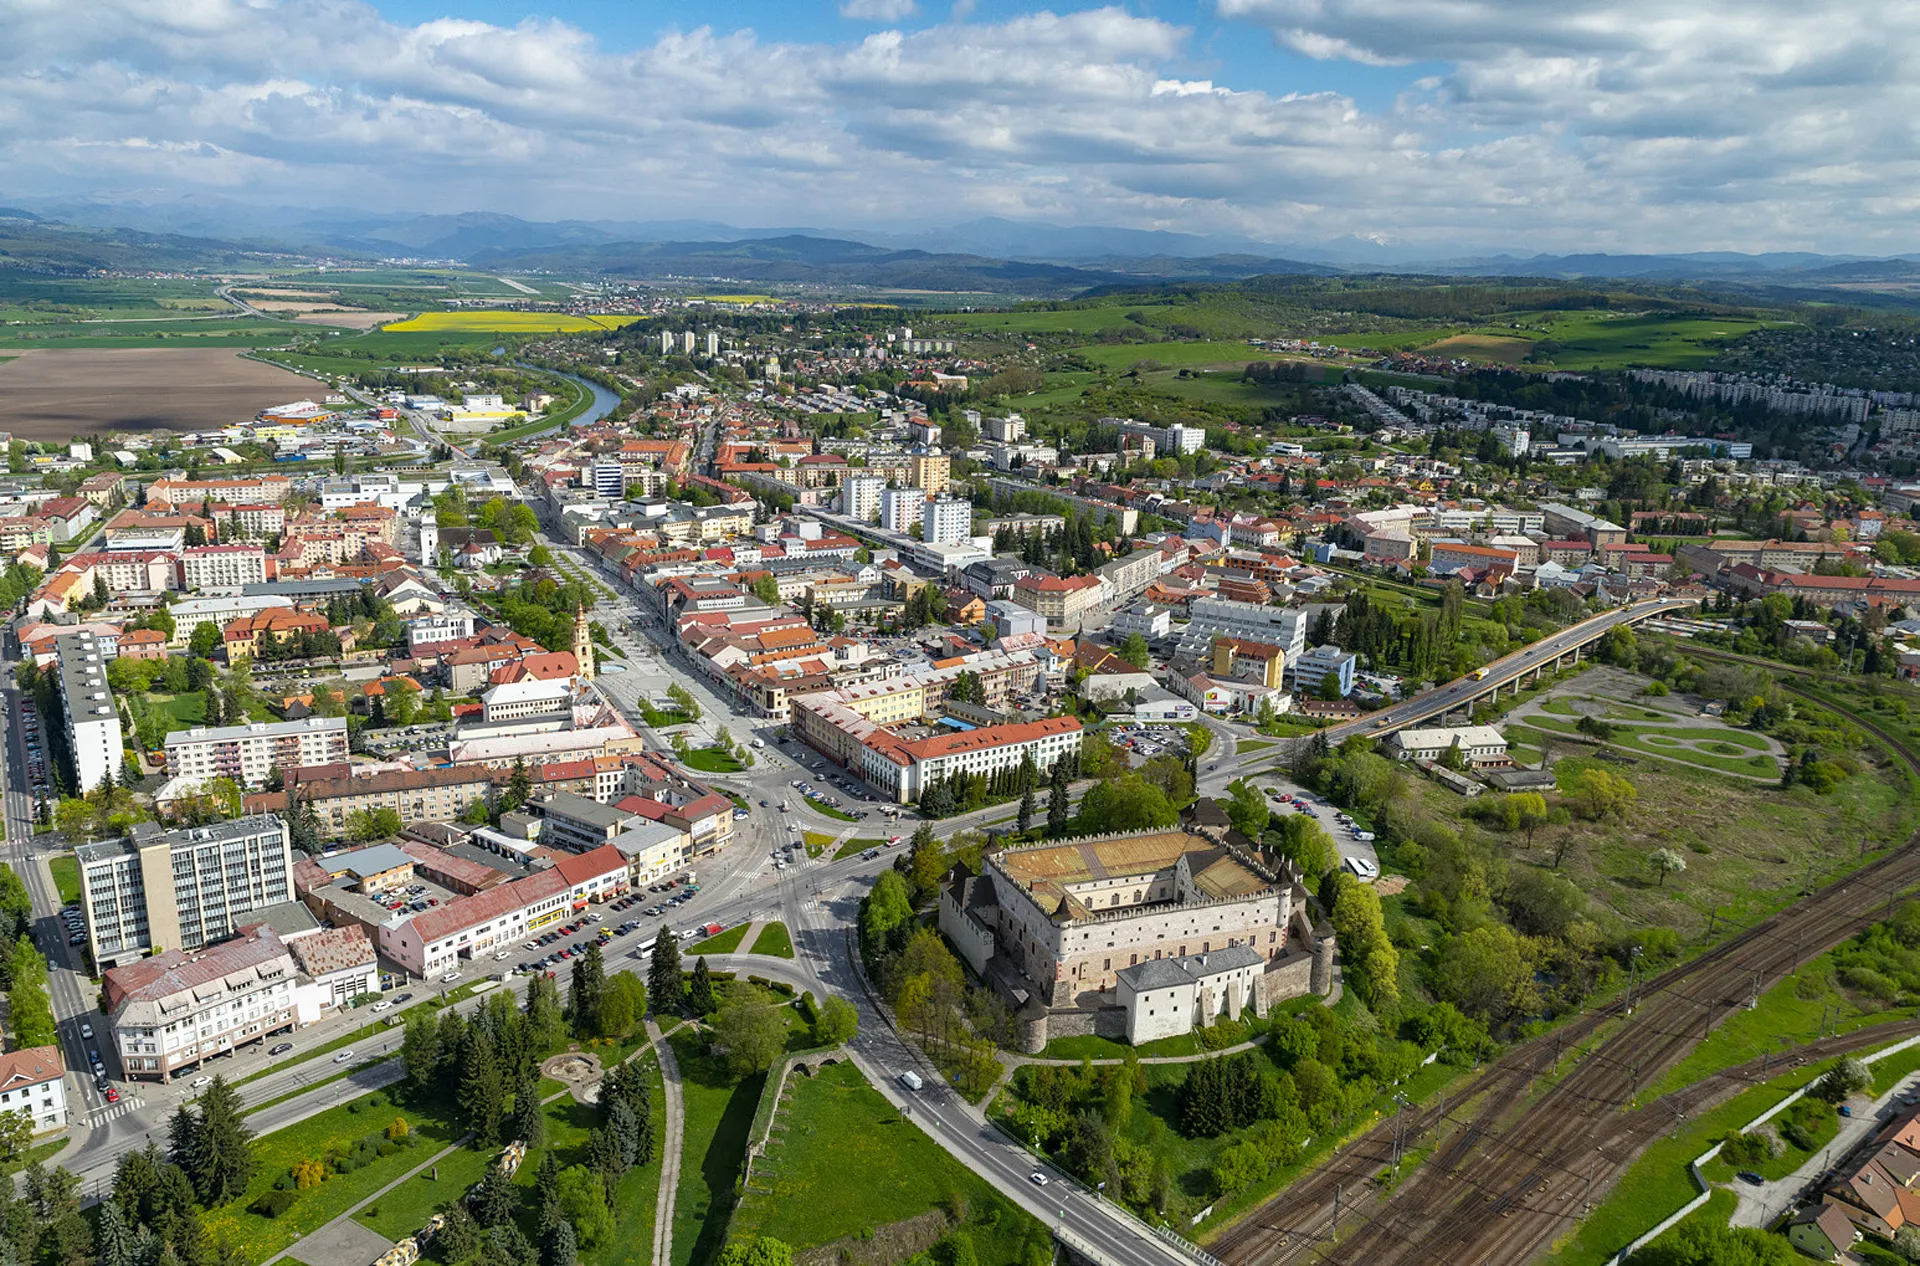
[(383, 1005), (201, 1083), (281, 1049)]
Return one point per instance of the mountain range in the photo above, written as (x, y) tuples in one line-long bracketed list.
[(990, 255)]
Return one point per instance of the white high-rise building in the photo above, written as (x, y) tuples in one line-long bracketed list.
[(686, 342), (162, 890), (944, 522), (92, 717), (900, 508), (666, 342), (713, 343), (860, 495), (609, 480)]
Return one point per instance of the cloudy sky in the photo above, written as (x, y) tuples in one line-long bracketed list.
[(1564, 125)]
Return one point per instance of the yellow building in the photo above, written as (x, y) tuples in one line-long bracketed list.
[(931, 471)]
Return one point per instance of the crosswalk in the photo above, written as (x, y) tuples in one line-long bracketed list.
[(114, 1111)]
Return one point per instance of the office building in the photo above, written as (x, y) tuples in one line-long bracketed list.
[(1306, 673), (608, 479), (161, 890), (92, 718)]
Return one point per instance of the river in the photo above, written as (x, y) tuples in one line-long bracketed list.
[(604, 401)]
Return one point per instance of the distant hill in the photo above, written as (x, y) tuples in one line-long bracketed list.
[(39, 246), (798, 259)]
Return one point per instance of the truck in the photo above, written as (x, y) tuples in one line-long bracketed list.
[(911, 1080), (1477, 674), (713, 929)]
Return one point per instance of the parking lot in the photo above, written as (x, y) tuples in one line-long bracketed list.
[(1355, 842)]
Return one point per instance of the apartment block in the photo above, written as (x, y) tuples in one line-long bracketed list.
[(91, 717), (223, 566), (248, 753), (177, 1009)]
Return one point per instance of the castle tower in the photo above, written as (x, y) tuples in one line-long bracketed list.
[(583, 642)]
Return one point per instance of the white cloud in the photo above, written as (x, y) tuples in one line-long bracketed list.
[(878, 10), (1582, 124)]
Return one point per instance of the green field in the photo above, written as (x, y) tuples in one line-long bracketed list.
[(711, 760), (65, 870), (774, 940), (1124, 356), (725, 943), (719, 1112), (1717, 748), (835, 1124)]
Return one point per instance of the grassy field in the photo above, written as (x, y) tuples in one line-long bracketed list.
[(848, 849), (725, 943), (719, 1111), (1123, 356), (774, 941), (65, 870), (836, 1124), (711, 760), (1718, 748), (259, 1238), (1037, 321), (821, 806), (508, 323), (1749, 847)]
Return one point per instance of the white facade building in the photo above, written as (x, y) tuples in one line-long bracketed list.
[(166, 890), (175, 1010), (860, 495), (900, 508), (33, 1083), (946, 522), (223, 566), (91, 716), (249, 753)]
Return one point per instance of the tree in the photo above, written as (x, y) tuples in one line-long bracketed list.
[(760, 1250), (885, 914), (588, 992), (1487, 973), (750, 1033), (1695, 1243), (367, 825), (204, 640), (622, 1005), (16, 1136), (665, 987), (1126, 803), (481, 1090), (1524, 811), (562, 1247), (1666, 862), (1247, 809), (582, 1198), (458, 1238), (220, 1150), (1136, 651), (493, 1197), (1597, 794), (1023, 820), (700, 999), (112, 1237), (546, 1019), (420, 1050), (1059, 812), (835, 1022)]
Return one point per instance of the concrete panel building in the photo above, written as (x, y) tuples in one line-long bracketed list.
[(92, 719), (165, 890)]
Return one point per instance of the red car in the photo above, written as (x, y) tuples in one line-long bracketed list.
[(113, 1095)]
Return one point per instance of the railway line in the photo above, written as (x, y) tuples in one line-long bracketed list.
[(1501, 1184)]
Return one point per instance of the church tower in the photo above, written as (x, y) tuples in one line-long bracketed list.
[(582, 642)]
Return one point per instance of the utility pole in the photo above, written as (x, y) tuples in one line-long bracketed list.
[(1753, 1000), (1587, 1200), (1338, 1191)]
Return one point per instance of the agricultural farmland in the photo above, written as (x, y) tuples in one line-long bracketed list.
[(508, 323), (57, 393)]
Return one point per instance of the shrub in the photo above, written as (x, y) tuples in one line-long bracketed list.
[(309, 1173), (397, 1130), (389, 1149), (274, 1203), (1744, 1151)]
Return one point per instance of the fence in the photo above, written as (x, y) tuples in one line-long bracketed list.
[(1706, 1188)]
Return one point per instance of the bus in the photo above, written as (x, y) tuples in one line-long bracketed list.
[(1477, 674)]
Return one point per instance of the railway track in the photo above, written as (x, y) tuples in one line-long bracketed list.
[(1500, 1186)]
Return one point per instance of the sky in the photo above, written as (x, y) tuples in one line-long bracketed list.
[(1457, 126)]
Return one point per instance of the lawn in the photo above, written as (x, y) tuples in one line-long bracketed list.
[(835, 1124), (1247, 746), (65, 870), (711, 760), (719, 1112), (1089, 1046), (821, 806), (817, 841), (1123, 356), (725, 943), (258, 1238), (850, 848), (1677, 743), (774, 941)]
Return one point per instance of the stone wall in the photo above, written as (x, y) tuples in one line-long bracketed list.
[(1289, 976), (1037, 1026)]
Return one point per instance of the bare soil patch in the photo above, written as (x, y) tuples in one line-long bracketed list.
[(350, 320), (52, 394), (1493, 347)]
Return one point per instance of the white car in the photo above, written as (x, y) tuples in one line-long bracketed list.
[(1039, 1179), (383, 1005), (501, 957), (343, 1056), (86, 1030), (450, 977), (201, 1083)]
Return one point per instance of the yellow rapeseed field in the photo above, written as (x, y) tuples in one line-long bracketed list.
[(508, 323)]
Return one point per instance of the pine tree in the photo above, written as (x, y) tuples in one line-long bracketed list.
[(666, 989), (1025, 820), (112, 1238), (1057, 809), (529, 1114), (546, 1189), (493, 1197), (482, 1092), (222, 1147), (588, 992), (700, 999), (624, 1130), (562, 1249), (182, 1127)]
